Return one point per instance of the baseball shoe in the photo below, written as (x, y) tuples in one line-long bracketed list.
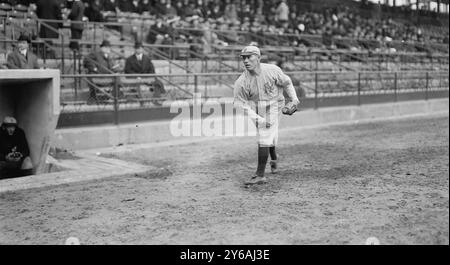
[(256, 180)]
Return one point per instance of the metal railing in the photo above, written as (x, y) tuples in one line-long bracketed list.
[(119, 92), (95, 30)]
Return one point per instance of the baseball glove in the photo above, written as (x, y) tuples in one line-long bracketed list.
[(289, 109)]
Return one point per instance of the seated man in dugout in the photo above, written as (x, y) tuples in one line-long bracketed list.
[(15, 158)]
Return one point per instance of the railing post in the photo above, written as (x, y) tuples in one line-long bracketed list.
[(116, 100), (141, 33), (75, 81), (4, 32), (426, 86), (74, 61), (317, 62), (195, 83), (95, 31), (359, 88), (316, 86), (395, 86), (62, 53)]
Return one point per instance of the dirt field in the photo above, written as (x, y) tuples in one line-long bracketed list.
[(337, 185)]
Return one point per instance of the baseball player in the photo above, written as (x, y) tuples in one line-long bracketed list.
[(259, 91)]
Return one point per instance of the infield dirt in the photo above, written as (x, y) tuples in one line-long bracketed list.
[(336, 185)]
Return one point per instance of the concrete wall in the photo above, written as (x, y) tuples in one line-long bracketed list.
[(32, 97), (152, 132)]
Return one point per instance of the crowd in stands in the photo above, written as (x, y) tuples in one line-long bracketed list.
[(257, 16), (272, 16)]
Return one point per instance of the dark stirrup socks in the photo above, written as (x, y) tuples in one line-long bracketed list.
[(263, 155), (273, 154)]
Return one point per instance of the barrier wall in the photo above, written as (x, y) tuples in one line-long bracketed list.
[(159, 131), (32, 97)]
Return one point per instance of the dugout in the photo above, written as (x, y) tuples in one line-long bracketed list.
[(32, 97)]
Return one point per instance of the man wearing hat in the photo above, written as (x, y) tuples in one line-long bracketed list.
[(261, 87), (22, 57), (76, 27), (100, 62), (15, 158), (140, 63)]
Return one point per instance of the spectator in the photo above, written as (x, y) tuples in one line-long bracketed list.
[(185, 9), (201, 10), (145, 7), (111, 5), (93, 11), (246, 12), (76, 28), (195, 10), (15, 158), (49, 9), (327, 38), (180, 9), (259, 16), (214, 10), (128, 6), (22, 57), (282, 13), (100, 62), (230, 11), (171, 11), (159, 32), (161, 7), (139, 63)]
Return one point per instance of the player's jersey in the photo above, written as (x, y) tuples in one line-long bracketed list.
[(265, 90)]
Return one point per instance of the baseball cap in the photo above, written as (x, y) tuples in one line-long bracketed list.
[(249, 50), (9, 121)]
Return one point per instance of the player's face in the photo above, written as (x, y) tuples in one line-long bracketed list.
[(250, 61)]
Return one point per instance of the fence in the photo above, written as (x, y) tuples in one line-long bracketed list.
[(115, 93)]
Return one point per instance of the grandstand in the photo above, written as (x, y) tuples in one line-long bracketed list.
[(334, 40)]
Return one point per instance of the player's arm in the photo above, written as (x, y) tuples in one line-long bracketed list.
[(288, 86), (283, 80), (240, 101)]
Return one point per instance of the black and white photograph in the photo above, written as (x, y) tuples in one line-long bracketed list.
[(251, 123)]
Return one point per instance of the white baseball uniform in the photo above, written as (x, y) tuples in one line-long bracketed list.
[(264, 92)]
